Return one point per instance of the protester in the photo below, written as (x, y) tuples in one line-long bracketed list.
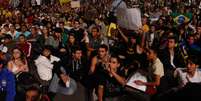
[(7, 84)]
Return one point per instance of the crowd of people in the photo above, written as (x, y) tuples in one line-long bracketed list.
[(50, 48)]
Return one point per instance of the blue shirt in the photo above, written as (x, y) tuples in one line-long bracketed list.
[(27, 33), (9, 85)]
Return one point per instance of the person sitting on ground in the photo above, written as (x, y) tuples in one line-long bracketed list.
[(33, 94), (155, 72), (7, 84), (189, 83), (189, 74), (45, 64), (111, 81), (18, 62)]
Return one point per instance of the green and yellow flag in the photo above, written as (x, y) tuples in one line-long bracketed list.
[(64, 1), (181, 18)]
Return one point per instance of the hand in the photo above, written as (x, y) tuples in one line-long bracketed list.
[(22, 68), (1, 65), (62, 50), (91, 49), (64, 78), (108, 69), (112, 71), (139, 82), (85, 33)]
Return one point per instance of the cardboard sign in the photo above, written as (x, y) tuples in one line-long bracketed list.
[(128, 18), (134, 77), (75, 4)]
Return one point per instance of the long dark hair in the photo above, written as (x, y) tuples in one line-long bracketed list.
[(22, 55)]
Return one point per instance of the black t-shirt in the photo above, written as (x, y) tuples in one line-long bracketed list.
[(112, 87), (3, 95)]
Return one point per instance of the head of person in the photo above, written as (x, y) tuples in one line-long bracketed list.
[(97, 21), (22, 38), (102, 51), (77, 53), (192, 64), (114, 62), (151, 54), (47, 51), (33, 30), (24, 28), (71, 38), (61, 25), (76, 24), (45, 30), (81, 20), (113, 32), (191, 39), (17, 54), (6, 27), (153, 28), (7, 39), (161, 21), (18, 27), (32, 94), (133, 37), (199, 29), (171, 42), (181, 30), (12, 28), (57, 32), (95, 31), (144, 20)]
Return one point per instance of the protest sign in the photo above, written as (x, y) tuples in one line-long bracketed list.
[(128, 18), (75, 4)]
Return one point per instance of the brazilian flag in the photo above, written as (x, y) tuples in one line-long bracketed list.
[(181, 18)]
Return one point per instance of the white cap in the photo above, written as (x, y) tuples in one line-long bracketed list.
[(4, 50)]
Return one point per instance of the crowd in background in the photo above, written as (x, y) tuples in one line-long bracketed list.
[(48, 47)]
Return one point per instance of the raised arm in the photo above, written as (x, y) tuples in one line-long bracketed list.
[(122, 35), (100, 92), (93, 65), (119, 78)]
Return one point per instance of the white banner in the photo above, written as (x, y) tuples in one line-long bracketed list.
[(128, 18), (134, 18)]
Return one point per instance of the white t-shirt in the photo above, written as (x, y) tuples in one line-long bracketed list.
[(157, 66), (45, 66), (184, 77)]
